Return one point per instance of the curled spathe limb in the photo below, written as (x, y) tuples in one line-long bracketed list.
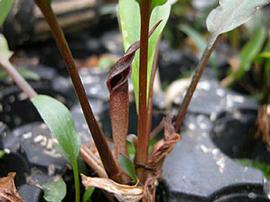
[(117, 84)]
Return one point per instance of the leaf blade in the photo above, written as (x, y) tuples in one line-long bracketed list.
[(156, 3), (250, 51), (55, 191), (59, 120), (88, 194), (231, 14), (128, 166), (5, 6), (129, 17), (199, 41), (5, 53)]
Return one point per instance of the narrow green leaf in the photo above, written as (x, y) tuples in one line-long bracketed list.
[(267, 46), (250, 51), (28, 74), (128, 166), (196, 37), (199, 41), (59, 120), (257, 164), (88, 194), (156, 3), (5, 6), (267, 63), (55, 191), (2, 154), (151, 145), (5, 53), (129, 17), (231, 14), (24, 72), (263, 55), (131, 149)]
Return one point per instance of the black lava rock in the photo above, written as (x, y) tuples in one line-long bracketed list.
[(197, 170), (30, 193), (35, 141)]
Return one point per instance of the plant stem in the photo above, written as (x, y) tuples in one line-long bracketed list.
[(17, 78), (198, 73), (143, 136), (88, 156), (108, 161), (151, 89), (76, 180)]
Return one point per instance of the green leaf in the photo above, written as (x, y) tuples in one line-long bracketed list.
[(59, 121), (250, 51), (129, 17), (5, 6), (156, 3), (263, 55), (267, 64), (28, 74), (128, 166), (231, 14), (48, 2), (55, 191), (264, 167), (2, 154), (151, 145), (5, 53), (199, 41), (131, 150), (88, 194), (196, 37), (266, 50), (24, 72)]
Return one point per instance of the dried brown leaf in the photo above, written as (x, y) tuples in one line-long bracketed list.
[(164, 146), (262, 125), (155, 163), (8, 192), (124, 193)]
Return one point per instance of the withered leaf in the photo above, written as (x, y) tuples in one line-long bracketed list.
[(155, 163), (117, 84), (164, 146), (8, 192), (124, 193)]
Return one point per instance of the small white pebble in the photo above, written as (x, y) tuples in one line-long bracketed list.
[(27, 135)]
